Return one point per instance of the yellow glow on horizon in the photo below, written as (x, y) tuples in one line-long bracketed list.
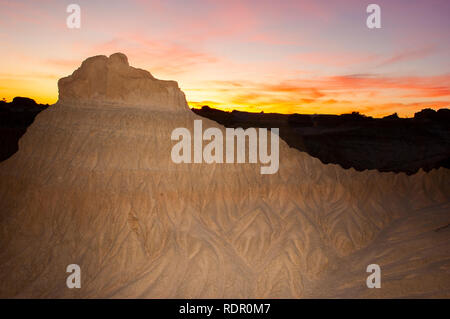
[(44, 91), (280, 109), (289, 109)]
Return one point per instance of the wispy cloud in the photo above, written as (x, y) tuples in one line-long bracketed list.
[(159, 55), (410, 55)]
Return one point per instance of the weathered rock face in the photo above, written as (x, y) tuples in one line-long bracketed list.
[(95, 186), (113, 82)]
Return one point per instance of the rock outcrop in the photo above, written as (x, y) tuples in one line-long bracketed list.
[(113, 82), (93, 184)]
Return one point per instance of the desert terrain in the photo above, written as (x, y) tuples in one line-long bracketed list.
[(93, 184)]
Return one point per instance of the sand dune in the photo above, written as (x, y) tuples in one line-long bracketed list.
[(93, 184)]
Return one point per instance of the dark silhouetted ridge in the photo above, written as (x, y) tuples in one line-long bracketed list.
[(390, 144), (15, 117)]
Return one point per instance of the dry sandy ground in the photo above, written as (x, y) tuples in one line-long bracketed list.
[(93, 184)]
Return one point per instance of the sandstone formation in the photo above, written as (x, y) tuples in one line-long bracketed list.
[(93, 184), (111, 81)]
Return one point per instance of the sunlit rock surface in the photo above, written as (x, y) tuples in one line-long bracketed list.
[(93, 184)]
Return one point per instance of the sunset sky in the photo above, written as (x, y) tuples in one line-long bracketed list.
[(276, 56)]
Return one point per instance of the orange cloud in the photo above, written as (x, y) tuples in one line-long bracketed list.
[(424, 86), (336, 94)]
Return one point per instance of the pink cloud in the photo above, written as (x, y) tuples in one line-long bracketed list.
[(163, 56), (19, 14)]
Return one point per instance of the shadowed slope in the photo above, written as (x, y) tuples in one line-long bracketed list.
[(15, 117)]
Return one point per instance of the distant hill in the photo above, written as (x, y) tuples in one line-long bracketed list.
[(390, 144)]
